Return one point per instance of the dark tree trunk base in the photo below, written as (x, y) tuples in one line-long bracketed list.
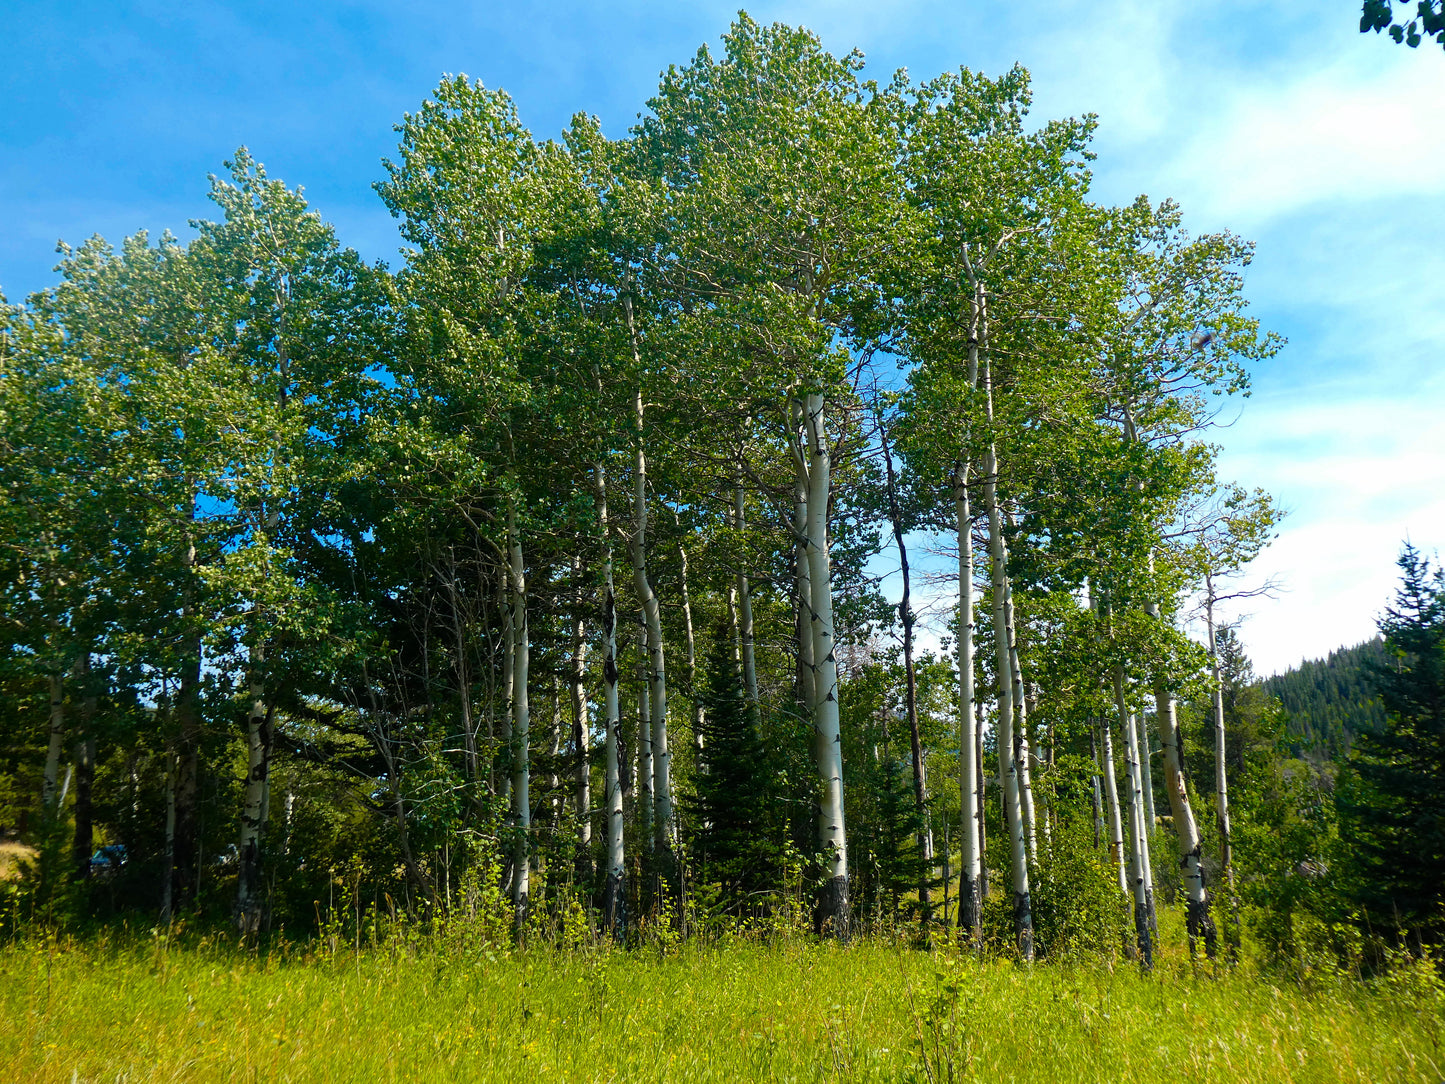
[(831, 917), (1144, 935), (969, 906), (1201, 925), (1024, 925), (614, 908)]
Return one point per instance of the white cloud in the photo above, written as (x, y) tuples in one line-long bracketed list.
[(1359, 478), (1348, 132)]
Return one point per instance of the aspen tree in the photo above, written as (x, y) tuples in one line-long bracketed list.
[(581, 738), (521, 651), (657, 766), (614, 914), (1141, 879), (833, 907)]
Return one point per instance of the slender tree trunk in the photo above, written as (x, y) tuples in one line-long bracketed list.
[(1186, 827), (254, 803), (807, 679), (1111, 792), (168, 881), (554, 756), (581, 739), (464, 679), (745, 612), (1095, 802), (290, 809), (521, 718), (509, 685), (614, 916), (186, 856), (1008, 745), (1023, 755), (910, 674), (691, 657), (833, 913), (1140, 874), (982, 781), (55, 746), (646, 796), (1003, 637), (184, 868), (83, 841), (663, 824), (970, 769), (83, 844), (1191, 844), (415, 873), (1221, 781), (1146, 763)]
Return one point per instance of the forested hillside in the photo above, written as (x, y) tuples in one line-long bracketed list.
[(1327, 702)]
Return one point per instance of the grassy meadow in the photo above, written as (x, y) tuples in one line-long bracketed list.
[(143, 1008)]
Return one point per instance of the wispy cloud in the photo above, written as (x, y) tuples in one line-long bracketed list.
[(1350, 132)]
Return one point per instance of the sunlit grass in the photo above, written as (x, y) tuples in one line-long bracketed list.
[(139, 1009)]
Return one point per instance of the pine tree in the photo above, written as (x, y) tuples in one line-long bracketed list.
[(1391, 801), (738, 835)]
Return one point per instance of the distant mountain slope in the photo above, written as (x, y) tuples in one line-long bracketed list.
[(1329, 701)]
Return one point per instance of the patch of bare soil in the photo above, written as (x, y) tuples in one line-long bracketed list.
[(11, 855)]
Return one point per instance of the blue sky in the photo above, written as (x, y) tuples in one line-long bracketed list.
[(1277, 120)]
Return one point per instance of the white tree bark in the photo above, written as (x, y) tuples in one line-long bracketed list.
[(970, 803), (1007, 742), (690, 643), (664, 827), (833, 912), (54, 746), (613, 900), (1186, 827), (972, 886), (1022, 753), (255, 799), (521, 716), (168, 882), (509, 686), (807, 670), (646, 812), (1146, 764), (1096, 802), (1140, 874), (1111, 792), (581, 738)]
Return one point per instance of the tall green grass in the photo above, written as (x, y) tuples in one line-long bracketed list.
[(136, 1009)]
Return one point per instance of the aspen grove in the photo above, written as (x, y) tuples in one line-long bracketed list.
[(786, 514)]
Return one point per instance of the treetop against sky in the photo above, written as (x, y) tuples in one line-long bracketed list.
[(1279, 121)]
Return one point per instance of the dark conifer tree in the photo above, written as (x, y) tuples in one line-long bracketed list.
[(738, 833), (1392, 801)]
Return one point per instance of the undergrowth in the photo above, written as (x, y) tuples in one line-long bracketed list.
[(460, 1004)]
